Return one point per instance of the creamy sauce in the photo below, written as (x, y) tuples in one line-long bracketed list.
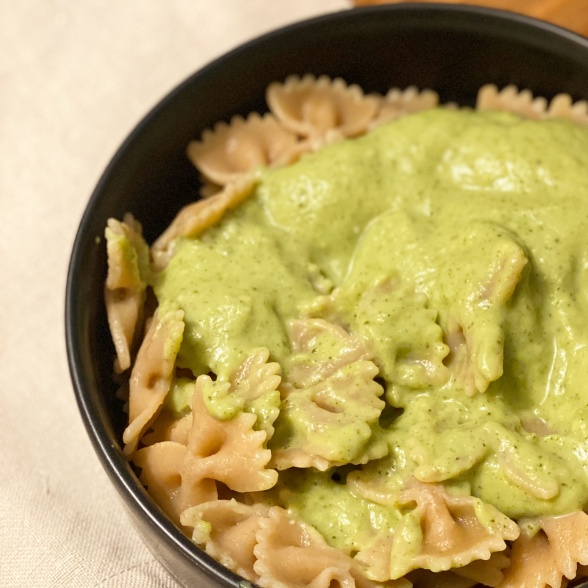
[(456, 243)]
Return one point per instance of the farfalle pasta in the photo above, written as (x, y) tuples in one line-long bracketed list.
[(228, 530), (397, 103), (216, 448), (152, 373), (367, 358), (200, 215), (550, 551), (232, 150), (327, 398), (124, 289), (321, 109), (291, 553), (447, 531), (524, 103)]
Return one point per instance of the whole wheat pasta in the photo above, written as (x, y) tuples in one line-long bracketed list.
[(381, 413)]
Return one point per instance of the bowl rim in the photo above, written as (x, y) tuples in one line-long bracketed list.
[(111, 458)]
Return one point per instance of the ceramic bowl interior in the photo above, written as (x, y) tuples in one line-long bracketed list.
[(452, 49)]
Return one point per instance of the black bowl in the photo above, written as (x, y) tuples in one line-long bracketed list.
[(452, 49)]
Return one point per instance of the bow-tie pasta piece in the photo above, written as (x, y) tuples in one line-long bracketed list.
[(511, 99), (562, 107), (475, 333), (445, 531), (195, 218), (292, 554), (253, 388), (404, 334), (321, 109), (126, 282), (226, 530), (160, 468), (377, 557), (334, 422), (319, 349), (229, 151), (152, 373), (181, 475), (549, 552), (231, 452), (397, 103), (331, 405)]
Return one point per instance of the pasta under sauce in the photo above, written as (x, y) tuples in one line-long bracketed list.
[(373, 358)]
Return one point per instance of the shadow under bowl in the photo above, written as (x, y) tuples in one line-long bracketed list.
[(449, 48)]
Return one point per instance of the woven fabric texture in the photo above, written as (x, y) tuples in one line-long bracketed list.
[(75, 77)]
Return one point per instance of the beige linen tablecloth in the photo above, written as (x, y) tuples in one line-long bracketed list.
[(75, 77)]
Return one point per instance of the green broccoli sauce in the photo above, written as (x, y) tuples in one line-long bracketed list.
[(345, 520), (456, 242)]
